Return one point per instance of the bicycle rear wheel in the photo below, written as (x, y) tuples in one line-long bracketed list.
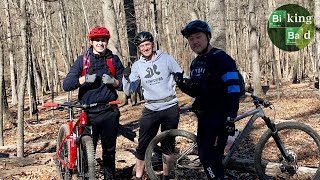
[(63, 171), (87, 158), (300, 141), (182, 159)]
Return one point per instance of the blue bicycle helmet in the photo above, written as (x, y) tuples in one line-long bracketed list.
[(195, 27)]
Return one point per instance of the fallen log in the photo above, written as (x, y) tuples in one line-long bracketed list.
[(38, 145), (271, 169)]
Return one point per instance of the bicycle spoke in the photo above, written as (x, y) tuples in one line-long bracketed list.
[(181, 159)]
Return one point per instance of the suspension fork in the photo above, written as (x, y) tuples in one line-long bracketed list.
[(275, 135), (80, 129), (73, 146), (79, 154)]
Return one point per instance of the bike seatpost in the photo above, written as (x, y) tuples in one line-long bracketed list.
[(71, 114)]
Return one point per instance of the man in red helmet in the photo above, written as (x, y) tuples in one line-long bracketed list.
[(97, 81)]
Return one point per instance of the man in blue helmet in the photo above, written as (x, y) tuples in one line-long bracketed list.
[(214, 83)]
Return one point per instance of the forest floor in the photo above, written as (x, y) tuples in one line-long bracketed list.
[(299, 102)]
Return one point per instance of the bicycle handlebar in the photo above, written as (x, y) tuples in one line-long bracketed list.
[(259, 101), (256, 100), (82, 106), (50, 105)]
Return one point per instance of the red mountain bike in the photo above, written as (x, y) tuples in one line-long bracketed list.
[(75, 150)]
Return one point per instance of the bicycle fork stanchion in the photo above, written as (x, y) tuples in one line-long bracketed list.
[(81, 130), (73, 146), (277, 139), (79, 155)]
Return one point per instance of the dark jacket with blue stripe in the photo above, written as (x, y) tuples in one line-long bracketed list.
[(96, 92), (214, 83)]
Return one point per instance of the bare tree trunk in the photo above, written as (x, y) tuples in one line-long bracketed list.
[(275, 73), (254, 50), (131, 28), (33, 99), (286, 67), (85, 15), (317, 38), (65, 45), (22, 84), (193, 11), (11, 57), (51, 70), (57, 81), (167, 24), (110, 21), (218, 20), (278, 65), (1, 89), (36, 67), (295, 78), (65, 36), (153, 22), (7, 116), (161, 39), (42, 78)]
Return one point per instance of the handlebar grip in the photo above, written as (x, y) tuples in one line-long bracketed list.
[(114, 102), (248, 94), (258, 100), (50, 105)]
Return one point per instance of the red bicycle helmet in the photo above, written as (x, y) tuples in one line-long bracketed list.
[(99, 32)]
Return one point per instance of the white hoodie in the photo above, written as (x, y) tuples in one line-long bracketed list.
[(156, 78)]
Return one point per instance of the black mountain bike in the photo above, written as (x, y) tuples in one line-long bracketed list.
[(287, 150)]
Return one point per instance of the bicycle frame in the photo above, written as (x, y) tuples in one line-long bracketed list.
[(256, 113)]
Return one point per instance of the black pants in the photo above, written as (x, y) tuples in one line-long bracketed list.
[(212, 139), (105, 124), (149, 125)]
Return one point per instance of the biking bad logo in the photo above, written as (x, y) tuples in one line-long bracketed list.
[(291, 27)]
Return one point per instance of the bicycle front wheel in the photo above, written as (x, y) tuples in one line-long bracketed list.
[(174, 152), (87, 158), (62, 170), (301, 143)]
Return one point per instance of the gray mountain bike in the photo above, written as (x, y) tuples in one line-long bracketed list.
[(287, 150)]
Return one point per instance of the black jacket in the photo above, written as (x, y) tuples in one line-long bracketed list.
[(96, 92), (213, 83)]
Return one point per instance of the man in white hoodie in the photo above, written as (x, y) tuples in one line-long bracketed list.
[(154, 71)]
